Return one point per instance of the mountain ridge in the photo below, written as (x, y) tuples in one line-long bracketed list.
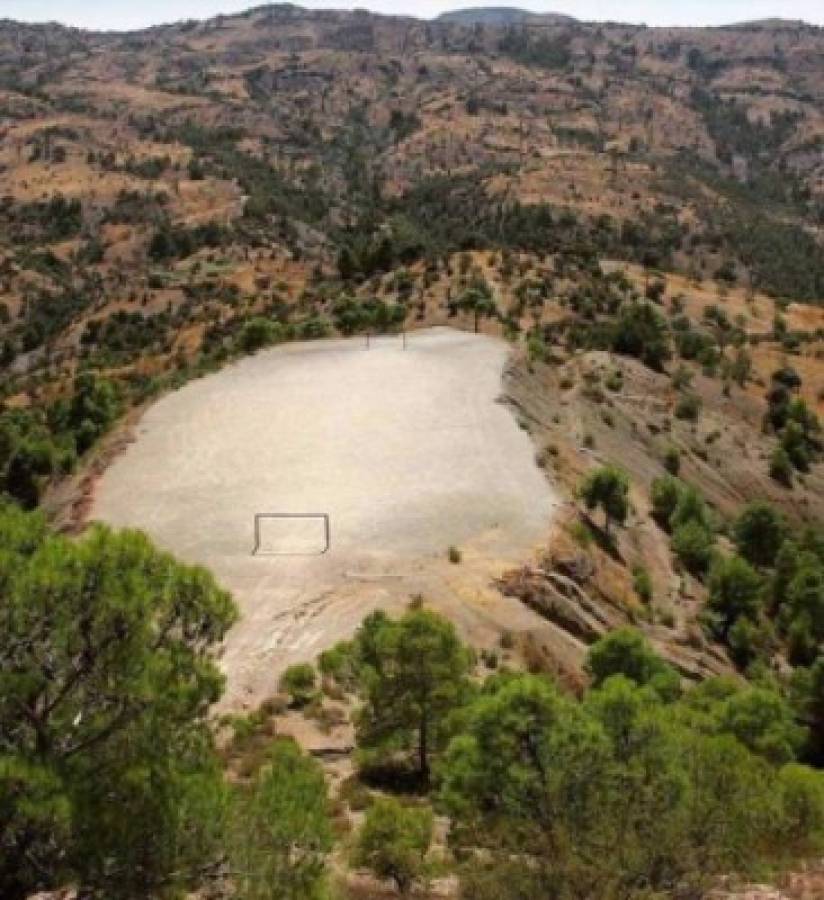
[(465, 16), (500, 15)]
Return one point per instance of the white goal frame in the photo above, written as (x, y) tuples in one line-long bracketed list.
[(327, 533), (369, 335)]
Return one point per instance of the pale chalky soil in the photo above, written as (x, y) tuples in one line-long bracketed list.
[(408, 451)]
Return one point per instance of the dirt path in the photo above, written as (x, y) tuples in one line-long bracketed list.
[(407, 451)]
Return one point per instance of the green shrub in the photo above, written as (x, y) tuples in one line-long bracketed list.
[(688, 407), (781, 467), (258, 333), (339, 663), (640, 331), (615, 381), (693, 544), (802, 805), (280, 829), (393, 842), (608, 488), (626, 652), (681, 378), (672, 460), (759, 532), (299, 682), (642, 583), (735, 589), (690, 508), (664, 497)]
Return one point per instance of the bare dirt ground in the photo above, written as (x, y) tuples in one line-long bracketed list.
[(409, 453)]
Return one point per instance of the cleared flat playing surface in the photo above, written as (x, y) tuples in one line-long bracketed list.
[(407, 451)]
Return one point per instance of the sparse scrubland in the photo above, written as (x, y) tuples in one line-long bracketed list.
[(639, 213)]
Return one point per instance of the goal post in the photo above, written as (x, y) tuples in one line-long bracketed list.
[(371, 337), (292, 534)]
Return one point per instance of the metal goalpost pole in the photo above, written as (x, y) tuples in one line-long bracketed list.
[(328, 530)]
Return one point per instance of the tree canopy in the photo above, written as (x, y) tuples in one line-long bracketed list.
[(280, 832), (107, 672), (414, 673), (608, 488), (632, 787), (393, 842)]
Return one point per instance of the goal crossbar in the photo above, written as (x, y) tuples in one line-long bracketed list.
[(372, 336), (260, 518)]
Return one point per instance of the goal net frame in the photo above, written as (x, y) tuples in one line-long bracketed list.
[(262, 517), (370, 336)]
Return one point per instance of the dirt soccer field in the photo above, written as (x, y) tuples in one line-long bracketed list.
[(408, 452)]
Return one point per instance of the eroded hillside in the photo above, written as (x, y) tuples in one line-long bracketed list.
[(155, 184)]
